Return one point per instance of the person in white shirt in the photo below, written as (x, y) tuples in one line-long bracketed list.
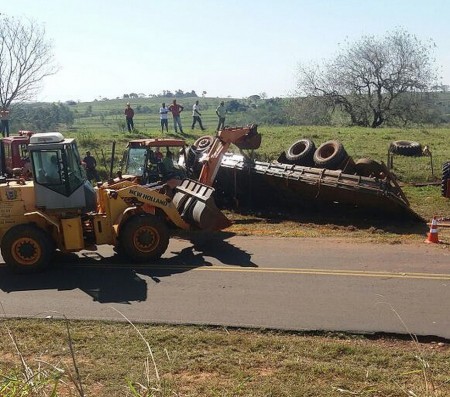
[(163, 111), (196, 116)]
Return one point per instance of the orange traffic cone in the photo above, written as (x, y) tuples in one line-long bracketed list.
[(433, 235)]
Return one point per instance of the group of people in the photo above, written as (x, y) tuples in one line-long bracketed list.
[(176, 109)]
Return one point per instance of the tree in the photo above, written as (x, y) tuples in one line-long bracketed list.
[(369, 78), (26, 58)]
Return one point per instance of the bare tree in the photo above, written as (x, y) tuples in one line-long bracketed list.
[(26, 58), (368, 79)]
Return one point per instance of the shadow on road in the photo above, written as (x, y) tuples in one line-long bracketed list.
[(114, 279)]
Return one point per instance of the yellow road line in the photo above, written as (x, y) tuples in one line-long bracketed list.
[(276, 270), (330, 272)]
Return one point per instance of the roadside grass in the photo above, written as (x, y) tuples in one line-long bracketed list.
[(215, 361)]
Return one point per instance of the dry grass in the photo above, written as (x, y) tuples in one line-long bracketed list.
[(200, 361)]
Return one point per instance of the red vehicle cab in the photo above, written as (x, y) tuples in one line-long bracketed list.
[(14, 152)]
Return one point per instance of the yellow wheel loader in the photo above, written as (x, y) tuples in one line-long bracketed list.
[(60, 209)]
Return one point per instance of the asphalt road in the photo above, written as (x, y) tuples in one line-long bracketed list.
[(281, 283)]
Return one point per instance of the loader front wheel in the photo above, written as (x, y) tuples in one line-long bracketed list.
[(144, 238), (27, 249)]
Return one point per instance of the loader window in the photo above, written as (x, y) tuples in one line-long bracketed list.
[(135, 164), (76, 174), (59, 169), (47, 169)]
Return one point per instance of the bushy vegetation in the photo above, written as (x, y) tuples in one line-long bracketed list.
[(430, 109), (41, 117)]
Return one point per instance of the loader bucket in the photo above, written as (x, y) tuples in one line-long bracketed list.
[(196, 205), (250, 141)]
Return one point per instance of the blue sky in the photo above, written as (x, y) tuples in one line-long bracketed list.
[(237, 48)]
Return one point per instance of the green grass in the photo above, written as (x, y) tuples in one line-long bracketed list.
[(202, 361)]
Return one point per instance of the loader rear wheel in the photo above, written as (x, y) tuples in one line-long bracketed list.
[(27, 249), (144, 238)]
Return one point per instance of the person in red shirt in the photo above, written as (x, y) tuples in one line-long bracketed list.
[(129, 114), (176, 109)]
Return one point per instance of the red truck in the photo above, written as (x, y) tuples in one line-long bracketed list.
[(14, 153)]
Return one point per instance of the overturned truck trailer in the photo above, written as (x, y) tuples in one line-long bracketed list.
[(251, 183)]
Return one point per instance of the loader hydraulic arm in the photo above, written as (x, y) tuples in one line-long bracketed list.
[(243, 137)]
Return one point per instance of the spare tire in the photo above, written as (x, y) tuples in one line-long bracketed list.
[(203, 143), (282, 158), (445, 179), (368, 167), (330, 155), (301, 152), (406, 148)]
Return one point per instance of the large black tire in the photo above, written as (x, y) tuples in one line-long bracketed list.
[(282, 158), (203, 143), (143, 238), (406, 148), (27, 249), (301, 152), (331, 155), (445, 179), (368, 167)]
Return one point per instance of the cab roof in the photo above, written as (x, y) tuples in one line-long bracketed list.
[(156, 142), (47, 137)]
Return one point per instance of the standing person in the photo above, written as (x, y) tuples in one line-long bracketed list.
[(221, 112), (129, 114), (91, 167), (163, 110), (4, 116), (176, 109), (196, 116), (158, 155)]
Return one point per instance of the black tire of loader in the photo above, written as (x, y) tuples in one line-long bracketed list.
[(406, 148), (445, 179), (27, 249), (301, 152), (330, 155), (144, 238)]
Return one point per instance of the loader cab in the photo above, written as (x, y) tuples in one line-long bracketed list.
[(59, 178), (143, 158)]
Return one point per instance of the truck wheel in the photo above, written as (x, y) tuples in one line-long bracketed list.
[(27, 249), (368, 167), (445, 178), (330, 155), (406, 148), (301, 152), (203, 143), (144, 238)]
